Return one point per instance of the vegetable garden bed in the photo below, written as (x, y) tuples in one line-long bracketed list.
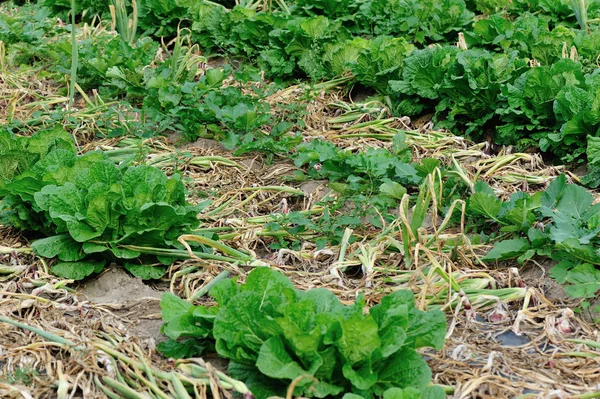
[(306, 199)]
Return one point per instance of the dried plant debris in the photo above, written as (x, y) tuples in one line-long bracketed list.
[(175, 225)]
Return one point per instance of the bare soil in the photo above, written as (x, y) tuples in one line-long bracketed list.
[(128, 296)]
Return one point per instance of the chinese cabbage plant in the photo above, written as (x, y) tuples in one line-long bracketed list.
[(274, 334), (88, 209)]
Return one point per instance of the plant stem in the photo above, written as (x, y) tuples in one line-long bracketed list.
[(208, 286), (42, 333), (8, 250), (74, 57)]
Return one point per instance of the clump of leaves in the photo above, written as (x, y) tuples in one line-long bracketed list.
[(106, 63), (556, 105), (421, 21), (274, 334), (491, 6), (89, 208), (84, 9), (372, 171), (162, 18), (561, 223), (592, 179)]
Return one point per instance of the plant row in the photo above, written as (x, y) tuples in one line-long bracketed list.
[(528, 80)]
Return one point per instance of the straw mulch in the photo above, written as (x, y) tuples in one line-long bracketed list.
[(56, 343)]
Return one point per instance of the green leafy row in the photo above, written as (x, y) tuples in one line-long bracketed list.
[(274, 334), (492, 90)]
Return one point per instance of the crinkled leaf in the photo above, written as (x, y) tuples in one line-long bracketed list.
[(242, 327), (275, 362), (406, 369)]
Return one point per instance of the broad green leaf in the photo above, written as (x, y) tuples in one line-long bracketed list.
[(301, 329), (422, 328), (428, 166), (315, 27), (554, 193), (519, 211), (593, 150), (527, 255), (259, 384), (393, 189), (180, 349), (125, 253), (575, 201), (363, 377), (243, 326), (583, 281), (322, 389), (433, 392), (585, 253), (398, 393), (224, 290), (145, 272), (272, 286), (393, 309), (275, 362), (359, 339), (61, 246), (324, 301), (182, 319), (57, 167), (47, 140), (405, 369), (77, 270), (560, 271), (184, 326), (426, 329), (399, 142), (485, 204), (93, 248), (507, 249), (173, 307), (105, 172)]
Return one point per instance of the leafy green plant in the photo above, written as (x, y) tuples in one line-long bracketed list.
[(361, 172), (592, 179), (84, 9), (465, 85), (29, 26), (205, 108), (162, 18), (89, 208), (561, 223), (553, 105), (22, 375), (380, 61), (422, 21), (274, 334), (329, 8), (491, 6), (106, 63)]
